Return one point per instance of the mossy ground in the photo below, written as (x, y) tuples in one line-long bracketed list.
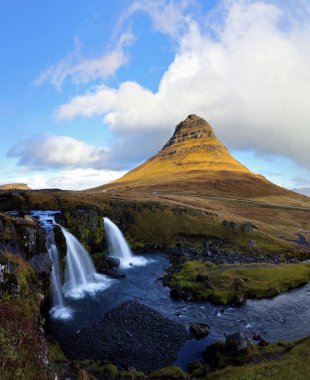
[(168, 373), (221, 284), (21, 347), (93, 370), (277, 362)]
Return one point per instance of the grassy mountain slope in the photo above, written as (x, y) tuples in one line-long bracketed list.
[(194, 161)]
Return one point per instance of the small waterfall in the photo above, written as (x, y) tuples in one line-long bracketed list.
[(57, 296), (80, 275), (118, 246), (59, 309)]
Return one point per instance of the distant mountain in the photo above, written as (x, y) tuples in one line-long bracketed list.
[(15, 186), (303, 190), (195, 161)]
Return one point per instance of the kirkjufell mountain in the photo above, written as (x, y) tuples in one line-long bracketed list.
[(195, 160)]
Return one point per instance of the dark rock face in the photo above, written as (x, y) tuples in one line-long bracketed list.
[(217, 253), (239, 227), (199, 330), (41, 263), (193, 127), (87, 226), (9, 283), (24, 238), (131, 335), (21, 237)]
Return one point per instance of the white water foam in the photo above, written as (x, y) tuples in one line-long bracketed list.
[(61, 312), (118, 247), (81, 276)]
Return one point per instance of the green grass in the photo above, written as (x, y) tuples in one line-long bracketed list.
[(168, 373), (223, 283), (292, 364)]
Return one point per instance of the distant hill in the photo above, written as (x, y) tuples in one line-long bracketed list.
[(15, 186), (195, 161)]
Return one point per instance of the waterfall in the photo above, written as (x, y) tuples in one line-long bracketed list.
[(57, 296), (118, 246), (59, 309), (80, 275)]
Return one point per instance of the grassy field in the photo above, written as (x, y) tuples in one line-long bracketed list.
[(222, 284), (160, 219)]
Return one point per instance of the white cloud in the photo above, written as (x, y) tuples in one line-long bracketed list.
[(300, 181), (246, 70), (83, 70), (51, 151), (72, 179), (168, 17)]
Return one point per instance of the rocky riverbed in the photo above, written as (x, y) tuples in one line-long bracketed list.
[(131, 336)]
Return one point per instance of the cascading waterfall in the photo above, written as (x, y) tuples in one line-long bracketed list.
[(118, 246), (80, 275), (57, 296), (59, 309)]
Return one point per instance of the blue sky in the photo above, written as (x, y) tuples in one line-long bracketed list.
[(90, 89)]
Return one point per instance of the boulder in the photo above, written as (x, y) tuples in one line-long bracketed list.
[(176, 293), (235, 351), (247, 228), (262, 342), (241, 291), (237, 343), (257, 336), (113, 262), (252, 243), (199, 330)]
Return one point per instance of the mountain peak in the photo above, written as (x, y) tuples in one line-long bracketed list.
[(193, 127), (194, 146), (195, 161)]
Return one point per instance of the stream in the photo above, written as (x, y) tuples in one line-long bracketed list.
[(285, 317)]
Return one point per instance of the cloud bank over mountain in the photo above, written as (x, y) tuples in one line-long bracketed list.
[(245, 68), (243, 65)]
